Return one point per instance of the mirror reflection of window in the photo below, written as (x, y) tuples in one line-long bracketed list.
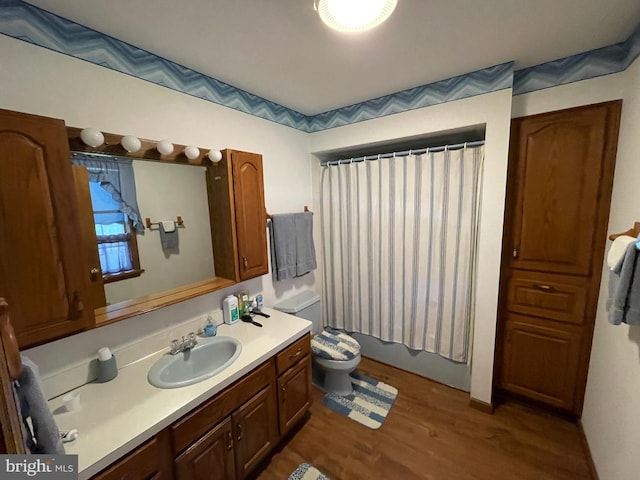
[(116, 241)]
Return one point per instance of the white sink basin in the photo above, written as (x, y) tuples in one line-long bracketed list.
[(208, 358)]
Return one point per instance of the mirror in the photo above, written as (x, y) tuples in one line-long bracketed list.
[(166, 191), (167, 187)]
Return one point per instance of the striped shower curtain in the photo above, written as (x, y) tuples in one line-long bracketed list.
[(399, 248)]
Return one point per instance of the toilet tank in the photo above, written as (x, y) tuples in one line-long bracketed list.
[(304, 305)]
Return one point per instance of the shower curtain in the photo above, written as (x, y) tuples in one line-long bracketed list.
[(399, 248)]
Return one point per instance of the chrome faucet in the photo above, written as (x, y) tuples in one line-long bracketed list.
[(187, 343)]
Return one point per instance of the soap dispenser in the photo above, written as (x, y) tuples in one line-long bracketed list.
[(210, 328)]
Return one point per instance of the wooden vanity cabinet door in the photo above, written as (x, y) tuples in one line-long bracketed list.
[(150, 461), (41, 276), (209, 458), (255, 430), (294, 394), (251, 220)]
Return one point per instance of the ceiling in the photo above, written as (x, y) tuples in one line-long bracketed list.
[(280, 50)]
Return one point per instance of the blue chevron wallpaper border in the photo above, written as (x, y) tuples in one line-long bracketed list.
[(595, 63), (31, 24), (25, 22), (471, 84)]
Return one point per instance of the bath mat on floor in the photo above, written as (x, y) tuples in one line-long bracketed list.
[(306, 471), (369, 403)]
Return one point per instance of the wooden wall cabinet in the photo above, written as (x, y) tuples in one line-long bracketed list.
[(238, 215), (558, 194), (41, 278)]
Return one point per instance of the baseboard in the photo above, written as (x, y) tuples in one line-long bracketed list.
[(587, 451), (480, 405)]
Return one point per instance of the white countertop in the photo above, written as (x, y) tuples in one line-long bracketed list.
[(117, 416)]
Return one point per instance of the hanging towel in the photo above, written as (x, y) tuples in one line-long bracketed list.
[(282, 234), (305, 250), (44, 438), (293, 253), (617, 249), (624, 289), (168, 238)]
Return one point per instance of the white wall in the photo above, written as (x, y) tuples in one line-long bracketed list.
[(493, 110), (39, 81), (610, 419)]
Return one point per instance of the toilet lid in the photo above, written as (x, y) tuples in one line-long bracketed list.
[(334, 345)]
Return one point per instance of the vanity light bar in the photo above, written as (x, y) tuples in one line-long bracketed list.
[(127, 145)]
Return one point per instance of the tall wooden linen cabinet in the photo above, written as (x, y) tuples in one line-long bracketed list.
[(558, 194)]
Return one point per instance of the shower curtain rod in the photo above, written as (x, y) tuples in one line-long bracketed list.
[(403, 153)]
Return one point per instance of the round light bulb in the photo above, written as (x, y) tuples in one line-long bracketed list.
[(354, 15), (131, 143), (215, 155), (165, 147), (192, 152), (92, 137)]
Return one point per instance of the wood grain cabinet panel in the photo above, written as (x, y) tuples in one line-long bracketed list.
[(42, 278), (541, 362), (149, 461), (294, 394), (558, 194), (557, 297), (251, 220), (211, 457), (255, 428)]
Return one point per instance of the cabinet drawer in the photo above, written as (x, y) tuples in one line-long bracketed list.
[(556, 297), (293, 353), (195, 424), (146, 462)]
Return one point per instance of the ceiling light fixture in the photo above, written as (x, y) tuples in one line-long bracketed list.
[(354, 15)]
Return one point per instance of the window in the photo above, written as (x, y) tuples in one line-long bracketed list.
[(116, 215), (117, 245)]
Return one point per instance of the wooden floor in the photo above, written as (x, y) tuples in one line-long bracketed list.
[(432, 433)]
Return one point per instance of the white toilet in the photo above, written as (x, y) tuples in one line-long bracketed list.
[(335, 354)]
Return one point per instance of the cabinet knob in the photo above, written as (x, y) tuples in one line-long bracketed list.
[(76, 306), (94, 273), (244, 262), (284, 394), (515, 253)]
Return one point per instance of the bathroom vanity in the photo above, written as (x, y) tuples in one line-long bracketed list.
[(228, 423)]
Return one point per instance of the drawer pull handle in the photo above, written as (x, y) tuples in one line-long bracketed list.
[(544, 288), (229, 441), (239, 432), (294, 355), (284, 394)]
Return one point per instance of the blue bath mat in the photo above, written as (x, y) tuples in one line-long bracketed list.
[(306, 471), (369, 403)]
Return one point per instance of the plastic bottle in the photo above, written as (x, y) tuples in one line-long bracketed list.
[(230, 309)]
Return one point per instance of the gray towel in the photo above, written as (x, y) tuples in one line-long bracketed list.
[(283, 246), (624, 289), (45, 431), (293, 253), (169, 240), (305, 250)]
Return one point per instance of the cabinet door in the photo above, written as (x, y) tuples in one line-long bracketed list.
[(255, 429), (541, 361), (562, 187), (147, 462), (40, 275), (210, 458), (251, 221), (294, 394)]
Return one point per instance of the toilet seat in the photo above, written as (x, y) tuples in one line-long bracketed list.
[(335, 345)]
